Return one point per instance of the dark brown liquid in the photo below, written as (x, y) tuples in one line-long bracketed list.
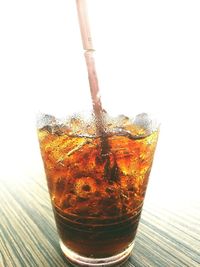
[(95, 239), (96, 214)]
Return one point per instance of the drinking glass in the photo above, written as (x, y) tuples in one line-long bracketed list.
[(97, 168)]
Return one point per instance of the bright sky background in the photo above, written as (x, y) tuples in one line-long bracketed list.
[(148, 60)]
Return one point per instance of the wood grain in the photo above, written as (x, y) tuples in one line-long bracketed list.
[(28, 237)]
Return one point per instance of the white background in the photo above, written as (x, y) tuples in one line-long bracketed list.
[(148, 54)]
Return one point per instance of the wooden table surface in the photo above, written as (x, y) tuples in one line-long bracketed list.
[(166, 237)]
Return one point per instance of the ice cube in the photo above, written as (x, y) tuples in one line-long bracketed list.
[(60, 185), (60, 129), (85, 187), (76, 125), (143, 120), (122, 120), (45, 120), (68, 201)]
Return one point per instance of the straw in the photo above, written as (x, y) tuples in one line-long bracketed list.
[(92, 75), (84, 24), (94, 87)]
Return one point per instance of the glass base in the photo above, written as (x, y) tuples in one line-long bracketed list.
[(77, 260)]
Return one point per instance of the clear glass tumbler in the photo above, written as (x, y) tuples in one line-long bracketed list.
[(97, 169)]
